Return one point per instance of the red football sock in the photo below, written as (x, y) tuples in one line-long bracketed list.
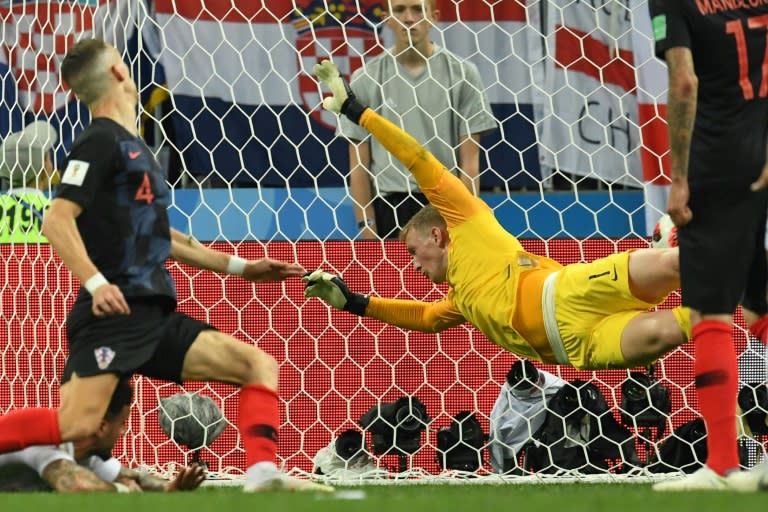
[(717, 384), (759, 329), (258, 418), (27, 427)]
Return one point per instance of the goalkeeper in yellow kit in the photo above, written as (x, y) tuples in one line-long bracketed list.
[(587, 315)]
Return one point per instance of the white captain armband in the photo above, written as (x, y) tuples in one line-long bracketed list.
[(236, 265)]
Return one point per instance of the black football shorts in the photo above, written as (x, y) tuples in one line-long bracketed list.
[(152, 341), (722, 250)]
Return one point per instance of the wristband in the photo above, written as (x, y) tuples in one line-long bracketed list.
[(357, 303), (236, 265), (366, 223), (94, 282), (121, 487), (353, 109)]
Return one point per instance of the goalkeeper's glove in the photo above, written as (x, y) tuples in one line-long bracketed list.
[(334, 291), (343, 100)]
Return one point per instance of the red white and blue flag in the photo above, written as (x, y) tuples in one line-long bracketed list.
[(652, 85), (589, 124), (245, 104), (240, 74), (36, 36), (603, 97)]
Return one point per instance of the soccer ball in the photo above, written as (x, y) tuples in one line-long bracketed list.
[(664, 233)]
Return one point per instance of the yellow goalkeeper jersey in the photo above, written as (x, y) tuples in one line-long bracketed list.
[(487, 266)]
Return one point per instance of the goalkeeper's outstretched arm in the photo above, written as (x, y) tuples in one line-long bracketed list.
[(427, 170), (443, 190), (407, 314)]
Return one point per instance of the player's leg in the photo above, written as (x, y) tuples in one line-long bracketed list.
[(84, 401), (215, 356), (603, 313), (716, 379), (654, 273), (80, 414), (755, 309), (27, 427), (629, 339), (714, 263), (99, 350), (649, 335), (729, 256), (754, 301), (194, 351)]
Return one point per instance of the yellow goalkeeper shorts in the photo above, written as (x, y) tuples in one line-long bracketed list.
[(593, 305)]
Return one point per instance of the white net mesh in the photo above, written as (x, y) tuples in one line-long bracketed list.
[(573, 169)]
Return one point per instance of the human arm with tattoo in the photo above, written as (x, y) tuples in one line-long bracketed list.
[(67, 476), (681, 114), (188, 479)]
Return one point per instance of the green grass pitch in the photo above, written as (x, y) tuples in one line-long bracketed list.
[(574, 497)]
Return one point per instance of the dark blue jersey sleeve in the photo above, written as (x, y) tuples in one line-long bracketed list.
[(90, 166)]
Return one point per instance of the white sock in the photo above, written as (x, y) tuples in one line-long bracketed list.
[(261, 472)]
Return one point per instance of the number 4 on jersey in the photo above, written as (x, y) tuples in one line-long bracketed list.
[(736, 28), (144, 192)]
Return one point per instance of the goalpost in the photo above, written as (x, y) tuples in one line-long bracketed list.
[(231, 111)]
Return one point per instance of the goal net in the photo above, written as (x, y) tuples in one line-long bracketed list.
[(574, 169)]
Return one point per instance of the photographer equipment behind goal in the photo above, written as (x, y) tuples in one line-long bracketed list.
[(396, 427), (581, 434), (460, 446)]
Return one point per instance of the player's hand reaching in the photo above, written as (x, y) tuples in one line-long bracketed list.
[(329, 74), (334, 291), (188, 479), (342, 100), (267, 269)]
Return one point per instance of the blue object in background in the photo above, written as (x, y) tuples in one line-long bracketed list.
[(279, 146), (326, 214)]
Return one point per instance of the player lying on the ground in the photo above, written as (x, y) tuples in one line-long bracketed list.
[(588, 315), (87, 465)]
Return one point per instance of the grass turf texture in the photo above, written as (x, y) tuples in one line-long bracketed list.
[(401, 498)]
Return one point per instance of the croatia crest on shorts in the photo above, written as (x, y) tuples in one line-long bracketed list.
[(104, 357), (344, 31)]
